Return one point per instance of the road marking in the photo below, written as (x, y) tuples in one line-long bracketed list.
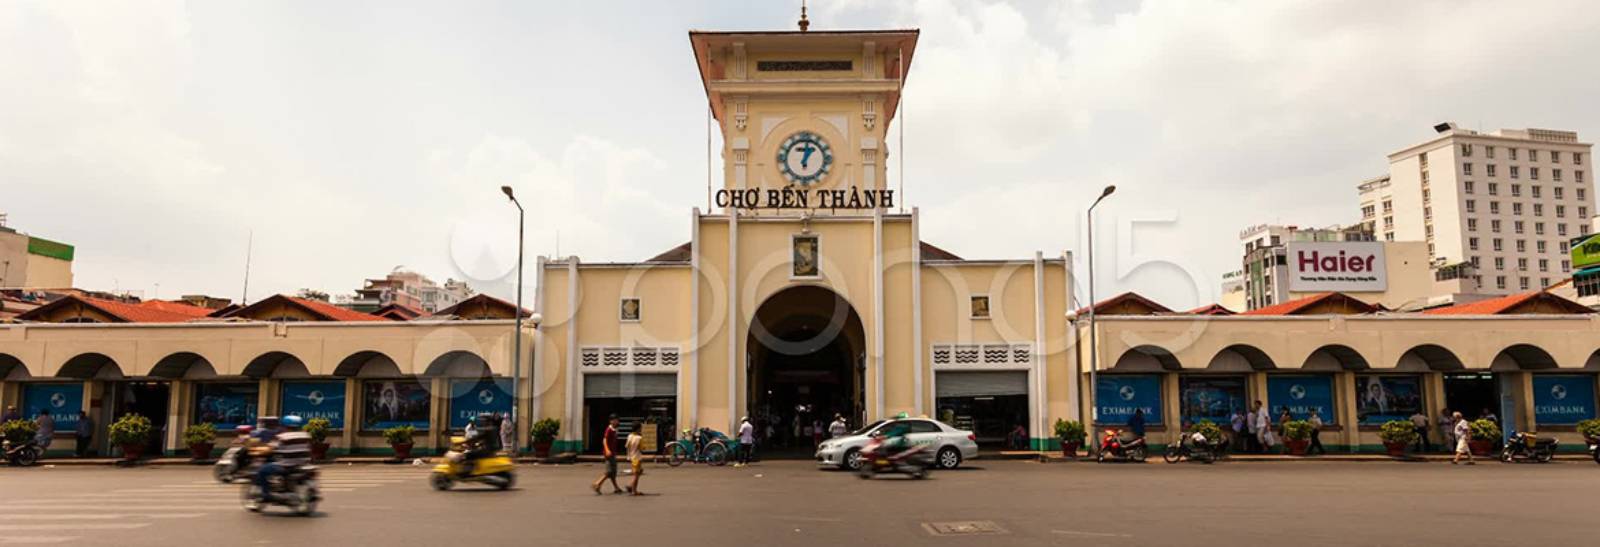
[(160, 491), (92, 516), (102, 506), (809, 519), (75, 526), (1091, 534)]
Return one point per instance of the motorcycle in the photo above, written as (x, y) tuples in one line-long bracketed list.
[(1195, 447), (1528, 447), (1114, 447), (497, 470), (22, 454), (1594, 448), (236, 462), (875, 458), (297, 489)]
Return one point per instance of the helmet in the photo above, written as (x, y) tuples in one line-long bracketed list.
[(244, 429), (293, 421)]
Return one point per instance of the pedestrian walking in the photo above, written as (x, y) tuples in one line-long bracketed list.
[(747, 441), (508, 432), (838, 428), (1462, 431), (1136, 423), (1447, 436), (1316, 433), (636, 456), (1241, 441), (84, 434), (608, 444), (1261, 424), (1420, 421)]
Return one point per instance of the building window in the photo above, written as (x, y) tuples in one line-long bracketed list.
[(1538, 227), (1368, 211), (1388, 236), (1533, 173), (1555, 156), (1583, 211), (1500, 282), (1563, 246), (1577, 158), (1522, 247), (628, 311), (1427, 212), (1499, 263), (1587, 285), (1489, 169), (1388, 222), (1523, 281), (1488, 152), (1516, 172), (1472, 225), (1516, 190), (1494, 189), (1577, 176), (1472, 206), (1566, 266), (1536, 192), (804, 251), (1430, 248), (1475, 263), (1426, 195), (1494, 207), (1428, 229), (1544, 282), (1555, 175), (1497, 242), (1580, 192), (1538, 209), (1472, 243), (1544, 264), (1561, 211), (980, 306), (1466, 187), (1513, 153), (1388, 207), (1533, 155), (1424, 179), (1516, 226), (1561, 229), (1466, 169), (1516, 208), (1466, 150), (1539, 245), (1556, 192)]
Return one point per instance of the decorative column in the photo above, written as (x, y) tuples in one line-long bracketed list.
[(352, 421)]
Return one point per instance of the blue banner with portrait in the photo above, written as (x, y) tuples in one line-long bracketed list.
[(63, 401), (469, 398), (1302, 394), (1119, 396), (394, 403), (1563, 399), (1381, 399), (226, 406), (1213, 398), (315, 400)]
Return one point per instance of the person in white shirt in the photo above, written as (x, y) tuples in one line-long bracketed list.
[(837, 428), (1462, 433), (1316, 433), (1262, 418), (747, 441)]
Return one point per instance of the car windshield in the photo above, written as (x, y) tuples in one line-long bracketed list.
[(869, 427)]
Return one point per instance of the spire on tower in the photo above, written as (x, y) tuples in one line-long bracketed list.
[(805, 24)]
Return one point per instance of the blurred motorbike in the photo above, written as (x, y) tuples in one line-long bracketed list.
[(297, 489), (497, 470), (1113, 447), (1195, 447), (877, 457), (1524, 446), (22, 454)]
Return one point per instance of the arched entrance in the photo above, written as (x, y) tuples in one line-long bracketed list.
[(805, 361)]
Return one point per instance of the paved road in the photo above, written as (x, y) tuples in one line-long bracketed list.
[(790, 503)]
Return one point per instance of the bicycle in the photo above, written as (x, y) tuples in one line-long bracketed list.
[(701, 446)]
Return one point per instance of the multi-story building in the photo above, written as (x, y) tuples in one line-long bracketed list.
[(1411, 279), (33, 262), (410, 289), (1507, 201)]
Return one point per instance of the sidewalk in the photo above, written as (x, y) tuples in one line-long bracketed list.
[(1055, 456)]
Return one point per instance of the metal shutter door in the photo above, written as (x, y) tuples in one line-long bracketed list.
[(609, 386), (982, 384)]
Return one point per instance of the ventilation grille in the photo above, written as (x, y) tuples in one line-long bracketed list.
[(637, 356), (981, 354)]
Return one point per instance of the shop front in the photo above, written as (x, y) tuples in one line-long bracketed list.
[(1560, 402), (63, 400), (991, 404), (1119, 397), (636, 399)]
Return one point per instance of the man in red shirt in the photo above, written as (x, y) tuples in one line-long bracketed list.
[(608, 444)]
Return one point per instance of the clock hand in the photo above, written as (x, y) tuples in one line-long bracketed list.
[(805, 158)]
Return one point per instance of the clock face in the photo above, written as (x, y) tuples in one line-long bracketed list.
[(804, 158)]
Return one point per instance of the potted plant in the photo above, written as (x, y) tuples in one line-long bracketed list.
[(1590, 429), (131, 432), (18, 431), (1071, 434), (1297, 436), (1485, 435), (201, 438), (1397, 435), (400, 440), (318, 429), (544, 434)]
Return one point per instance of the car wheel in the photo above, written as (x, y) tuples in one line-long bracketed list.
[(852, 460), (949, 458)]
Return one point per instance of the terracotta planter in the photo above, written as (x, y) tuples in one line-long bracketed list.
[(402, 451), (1481, 447), (1397, 450), (132, 452), (319, 451), (201, 451), (1297, 447), (1069, 449), (541, 449)]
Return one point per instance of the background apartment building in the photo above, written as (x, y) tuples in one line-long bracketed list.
[(1412, 279), (1508, 202), (407, 288), (33, 262)]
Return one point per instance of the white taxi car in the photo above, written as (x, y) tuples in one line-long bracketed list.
[(951, 446)]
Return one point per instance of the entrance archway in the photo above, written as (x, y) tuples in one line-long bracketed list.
[(805, 362)]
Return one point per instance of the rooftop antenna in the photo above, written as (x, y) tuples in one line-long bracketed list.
[(805, 24), (249, 248)]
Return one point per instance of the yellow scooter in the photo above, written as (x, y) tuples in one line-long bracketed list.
[(497, 470)]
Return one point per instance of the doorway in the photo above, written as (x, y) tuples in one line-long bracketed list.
[(148, 399), (1472, 394), (806, 363)]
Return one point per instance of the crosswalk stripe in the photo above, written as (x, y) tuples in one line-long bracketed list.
[(93, 516), (76, 526), (340, 488)]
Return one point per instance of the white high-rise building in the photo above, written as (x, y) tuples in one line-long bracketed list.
[(1508, 202)]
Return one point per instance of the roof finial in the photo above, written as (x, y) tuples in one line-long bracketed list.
[(805, 24)]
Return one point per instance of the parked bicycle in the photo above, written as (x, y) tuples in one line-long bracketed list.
[(703, 445)]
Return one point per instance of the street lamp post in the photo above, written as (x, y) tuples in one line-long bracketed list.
[(1094, 354), (516, 338)]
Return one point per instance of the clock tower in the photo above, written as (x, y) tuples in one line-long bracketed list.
[(804, 115)]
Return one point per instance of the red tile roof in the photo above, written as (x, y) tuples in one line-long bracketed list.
[(1504, 304), (1297, 306), (1125, 298), (398, 312), (1210, 309), (479, 301), (176, 307), (332, 312), (146, 312)]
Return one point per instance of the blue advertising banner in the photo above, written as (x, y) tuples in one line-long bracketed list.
[(1118, 396), (1302, 394), (1563, 399), (315, 400), (394, 403), (226, 406), (64, 401), (1381, 399), (1210, 398), (469, 398)]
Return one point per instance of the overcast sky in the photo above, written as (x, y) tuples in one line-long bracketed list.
[(354, 137)]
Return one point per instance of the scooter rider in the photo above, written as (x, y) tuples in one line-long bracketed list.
[(894, 438), (288, 449), (482, 440)]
